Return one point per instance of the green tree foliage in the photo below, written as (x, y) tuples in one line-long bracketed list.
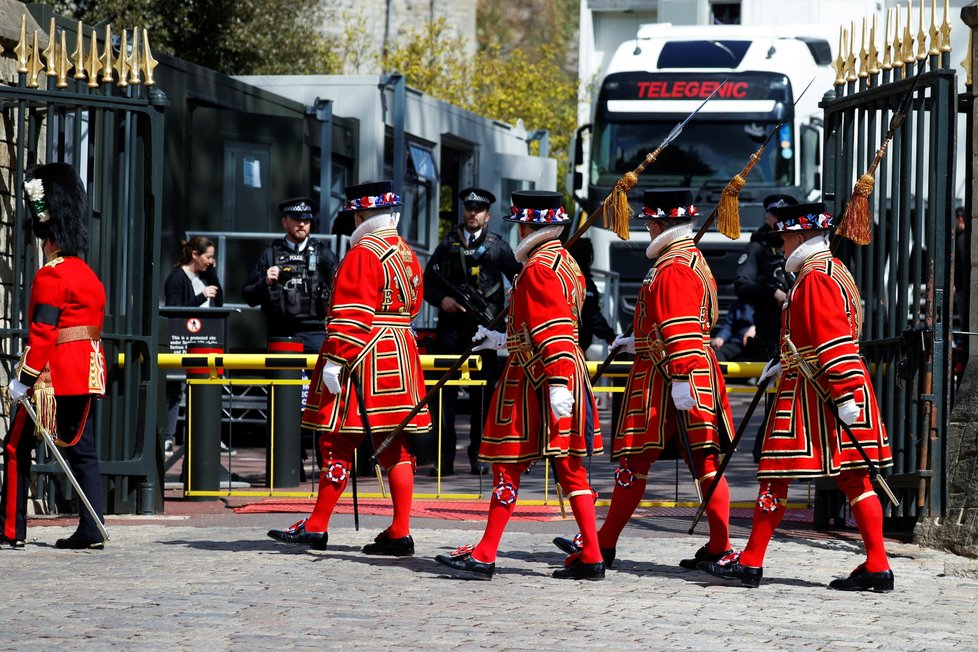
[(527, 82), (236, 37)]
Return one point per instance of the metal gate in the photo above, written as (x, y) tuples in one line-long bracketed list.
[(111, 130), (904, 273)]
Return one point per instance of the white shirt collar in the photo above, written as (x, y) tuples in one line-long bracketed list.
[(806, 250)]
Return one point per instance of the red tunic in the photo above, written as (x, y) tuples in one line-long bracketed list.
[(823, 318), (674, 312), (542, 340), (66, 311), (376, 293)]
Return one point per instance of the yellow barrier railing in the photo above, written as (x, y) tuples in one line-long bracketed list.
[(257, 362)]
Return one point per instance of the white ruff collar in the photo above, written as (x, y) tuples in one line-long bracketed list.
[(805, 250), (667, 237), (530, 242), (370, 225)]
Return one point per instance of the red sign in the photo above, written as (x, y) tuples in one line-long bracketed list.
[(680, 89)]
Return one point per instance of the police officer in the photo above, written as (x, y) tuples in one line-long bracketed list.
[(292, 278), (464, 279), (761, 280)]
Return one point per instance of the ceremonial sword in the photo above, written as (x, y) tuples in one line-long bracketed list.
[(874, 471), (761, 386), (56, 453)]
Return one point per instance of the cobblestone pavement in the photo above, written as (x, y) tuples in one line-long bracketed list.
[(216, 582)]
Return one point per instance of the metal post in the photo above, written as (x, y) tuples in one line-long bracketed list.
[(323, 110), (204, 401), (284, 449)]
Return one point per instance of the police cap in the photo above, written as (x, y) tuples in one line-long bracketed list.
[(300, 208), (477, 198)]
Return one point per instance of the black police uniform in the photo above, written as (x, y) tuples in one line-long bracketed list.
[(760, 271), (296, 304), (479, 268)]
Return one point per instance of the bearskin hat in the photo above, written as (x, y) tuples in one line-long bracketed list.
[(58, 206)]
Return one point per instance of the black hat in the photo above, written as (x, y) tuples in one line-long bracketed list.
[(668, 205), (300, 208), (776, 201), (371, 195), (481, 197), (803, 217), (538, 208), (58, 206)]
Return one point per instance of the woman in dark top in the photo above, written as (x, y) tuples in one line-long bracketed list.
[(192, 284)]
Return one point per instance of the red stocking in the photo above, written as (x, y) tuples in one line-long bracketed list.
[(332, 483), (500, 509), (768, 513), (868, 512), (573, 480), (401, 481), (630, 481), (718, 509)]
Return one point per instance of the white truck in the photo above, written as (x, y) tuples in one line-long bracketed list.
[(654, 81), (658, 78)]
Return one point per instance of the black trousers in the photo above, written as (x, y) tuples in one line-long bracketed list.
[(446, 408), (82, 458)]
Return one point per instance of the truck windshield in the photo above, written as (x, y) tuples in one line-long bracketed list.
[(706, 151)]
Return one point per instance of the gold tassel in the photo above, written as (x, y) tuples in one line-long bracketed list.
[(855, 222), (617, 212), (728, 210), (46, 408)]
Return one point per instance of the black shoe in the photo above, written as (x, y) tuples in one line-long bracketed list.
[(732, 571), (581, 571), (479, 469), (567, 545), (570, 547), (703, 555), (16, 544), (384, 545), (863, 580), (75, 542), (299, 534), (444, 472), (463, 563)]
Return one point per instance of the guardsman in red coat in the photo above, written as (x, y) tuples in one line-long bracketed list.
[(376, 293), (63, 366), (675, 375), (543, 406), (822, 319)]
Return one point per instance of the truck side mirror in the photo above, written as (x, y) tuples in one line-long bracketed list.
[(575, 177), (811, 158)]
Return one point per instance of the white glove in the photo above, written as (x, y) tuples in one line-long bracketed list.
[(17, 391), (772, 370), (487, 339), (627, 344), (561, 401), (682, 397), (849, 412), (331, 377)]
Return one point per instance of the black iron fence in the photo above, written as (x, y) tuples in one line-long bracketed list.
[(98, 110), (904, 274)]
